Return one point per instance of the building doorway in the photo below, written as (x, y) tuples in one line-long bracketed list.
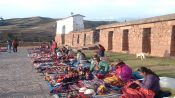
[(96, 36), (125, 43), (78, 39), (84, 39), (72, 39), (63, 34), (172, 47), (110, 40), (146, 40)]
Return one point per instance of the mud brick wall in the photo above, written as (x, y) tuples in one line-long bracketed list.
[(155, 36), (105, 38), (77, 39)]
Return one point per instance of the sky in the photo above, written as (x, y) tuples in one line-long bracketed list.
[(91, 9)]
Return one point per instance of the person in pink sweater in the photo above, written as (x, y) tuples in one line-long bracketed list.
[(53, 47), (121, 76), (123, 71)]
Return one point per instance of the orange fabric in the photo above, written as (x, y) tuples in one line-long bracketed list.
[(136, 93)]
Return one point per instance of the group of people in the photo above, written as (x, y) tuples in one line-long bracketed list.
[(121, 76), (118, 74), (12, 45)]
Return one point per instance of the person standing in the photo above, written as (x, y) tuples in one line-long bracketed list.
[(101, 51), (53, 47), (9, 46), (15, 45)]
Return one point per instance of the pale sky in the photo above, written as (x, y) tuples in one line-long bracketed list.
[(92, 9)]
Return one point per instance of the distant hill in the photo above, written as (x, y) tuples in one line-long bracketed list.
[(28, 29), (35, 28), (93, 24)]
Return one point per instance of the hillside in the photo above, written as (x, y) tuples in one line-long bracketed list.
[(28, 29), (35, 28), (93, 24)]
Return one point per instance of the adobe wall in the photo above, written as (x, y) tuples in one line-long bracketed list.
[(155, 36), (104, 38), (160, 38), (77, 39)]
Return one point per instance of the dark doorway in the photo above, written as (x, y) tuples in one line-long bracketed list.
[(110, 40), (84, 39), (78, 39), (125, 43), (96, 36), (172, 47), (73, 40), (63, 34), (146, 40)]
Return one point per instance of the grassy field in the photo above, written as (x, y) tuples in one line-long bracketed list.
[(162, 66)]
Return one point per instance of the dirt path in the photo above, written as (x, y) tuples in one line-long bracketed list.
[(18, 79)]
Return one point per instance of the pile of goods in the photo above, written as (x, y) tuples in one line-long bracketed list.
[(66, 81)]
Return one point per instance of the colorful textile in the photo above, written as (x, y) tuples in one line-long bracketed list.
[(136, 93), (114, 80)]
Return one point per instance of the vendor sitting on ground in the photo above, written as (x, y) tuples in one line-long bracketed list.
[(99, 66), (121, 76), (150, 82), (59, 53), (80, 56), (148, 88)]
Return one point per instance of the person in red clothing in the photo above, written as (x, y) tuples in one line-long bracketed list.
[(53, 47), (15, 45)]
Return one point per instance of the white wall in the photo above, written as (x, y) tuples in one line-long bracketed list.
[(68, 22), (74, 23)]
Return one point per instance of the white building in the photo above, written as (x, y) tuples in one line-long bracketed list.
[(71, 23)]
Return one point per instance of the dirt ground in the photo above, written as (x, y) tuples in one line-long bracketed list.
[(18, 79)]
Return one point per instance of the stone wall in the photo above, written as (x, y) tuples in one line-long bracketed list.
[(155, 36), (77, 39), (159, 43)]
